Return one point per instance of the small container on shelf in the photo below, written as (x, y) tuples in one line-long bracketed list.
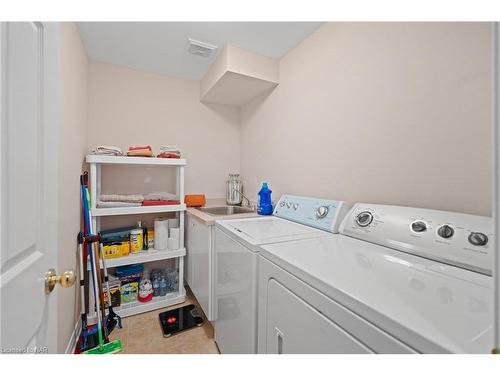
[(151, 238), (115, 291), (116, 249), (145, 291), (129, 277), (136, 240), (160, 233)]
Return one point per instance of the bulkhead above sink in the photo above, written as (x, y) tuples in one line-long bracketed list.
[(226, 210)]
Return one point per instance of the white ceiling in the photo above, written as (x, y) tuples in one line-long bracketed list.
[(162, 47)]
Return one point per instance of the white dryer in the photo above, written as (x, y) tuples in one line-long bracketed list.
[(396, 280), (237, 245)]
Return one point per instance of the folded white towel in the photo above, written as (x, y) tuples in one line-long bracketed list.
[(159, 195), (167, 148), (131, 198), (117, 204), (107, 150)]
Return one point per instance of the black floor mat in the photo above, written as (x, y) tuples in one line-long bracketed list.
[(180, 319)]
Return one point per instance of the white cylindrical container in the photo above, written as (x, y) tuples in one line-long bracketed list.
[(174, 239), (175, 235), (173, 243), (136, 240), (173, 223), (161, 234)]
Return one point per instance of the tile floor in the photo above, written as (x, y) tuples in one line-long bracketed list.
[(141, 334)]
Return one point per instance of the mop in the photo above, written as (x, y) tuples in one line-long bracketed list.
[(112, 346)]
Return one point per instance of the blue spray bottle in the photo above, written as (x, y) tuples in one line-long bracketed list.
[(265, 206)]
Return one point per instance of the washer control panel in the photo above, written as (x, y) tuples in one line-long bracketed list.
[(314, 212), (449, 237)]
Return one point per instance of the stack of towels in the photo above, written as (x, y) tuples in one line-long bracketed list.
[(159, 199), (140, 151), (136, 200), (120, 200), (107, 150), (167, 151)]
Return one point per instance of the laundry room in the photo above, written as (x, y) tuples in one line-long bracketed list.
[(289, 186)]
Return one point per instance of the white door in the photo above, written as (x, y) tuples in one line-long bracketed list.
[(28, 185), (295, 327), (199, 251), (236, 296)]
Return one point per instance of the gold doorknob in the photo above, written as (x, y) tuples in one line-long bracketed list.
[(66, 279)]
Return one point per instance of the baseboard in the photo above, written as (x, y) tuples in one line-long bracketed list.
[(70, 348)]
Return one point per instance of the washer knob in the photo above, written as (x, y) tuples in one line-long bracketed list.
[(364, 218), (282, 204), (289, 204), (478, 239), (419, 226), (446, 231), (321, 212), (295, 206)]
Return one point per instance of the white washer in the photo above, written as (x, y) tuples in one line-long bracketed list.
[(237, 245), (395, 280)]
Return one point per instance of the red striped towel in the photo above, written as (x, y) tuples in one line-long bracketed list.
[(159, 202)]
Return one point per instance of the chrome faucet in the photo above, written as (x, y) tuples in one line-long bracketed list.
[(250, 204)]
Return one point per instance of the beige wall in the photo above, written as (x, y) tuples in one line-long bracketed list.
[(73, 146), (131, 107), (378, 112)]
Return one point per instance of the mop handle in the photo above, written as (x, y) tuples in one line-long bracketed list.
[(81, 256), (93, 266)]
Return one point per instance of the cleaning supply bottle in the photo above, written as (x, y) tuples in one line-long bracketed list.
[(265, 206), (140, 225)]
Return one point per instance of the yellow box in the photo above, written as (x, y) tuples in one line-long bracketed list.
[(116, 250)]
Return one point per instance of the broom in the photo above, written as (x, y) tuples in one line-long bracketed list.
[(112, 346)]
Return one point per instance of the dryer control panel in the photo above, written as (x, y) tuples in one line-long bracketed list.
[(448, 237), (315, 212)]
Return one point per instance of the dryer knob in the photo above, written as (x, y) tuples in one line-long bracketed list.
[(478, 239), (364, 218), (419, 226), (445, 231), (321, 212)]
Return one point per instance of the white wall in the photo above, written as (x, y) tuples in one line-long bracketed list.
[(131, 107), (395, 113), (72, 149)]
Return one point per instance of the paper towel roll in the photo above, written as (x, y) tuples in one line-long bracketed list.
[(173, 243), (175, 236), (161, 234), (175, 233), (173, 223)]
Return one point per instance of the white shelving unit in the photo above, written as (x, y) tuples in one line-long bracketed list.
[(151, 255)]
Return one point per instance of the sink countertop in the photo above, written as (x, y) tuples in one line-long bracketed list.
[(211, 219)]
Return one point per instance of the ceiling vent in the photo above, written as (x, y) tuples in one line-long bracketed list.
[(201, 49)]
